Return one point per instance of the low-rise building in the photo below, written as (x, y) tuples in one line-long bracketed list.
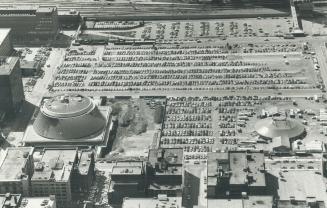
[(235, 174)]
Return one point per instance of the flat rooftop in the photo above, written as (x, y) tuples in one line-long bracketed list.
[(7, 64), (127, 168), (84, 162), (216, 160), (55, 164), (174, 156), (161, 201), (238, 165), (250, 202), (12, 162), (247, 168), (45, 9), (37, 202), (301, 186)]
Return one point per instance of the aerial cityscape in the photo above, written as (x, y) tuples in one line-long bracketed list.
[(163, 104)]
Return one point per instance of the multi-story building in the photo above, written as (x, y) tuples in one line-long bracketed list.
[(53, 174), (165, 171), (16, 169), (84, 174), (6, 47), (39, 202), (127, 179), (10, 200), (161, 201), (30, 23), (236, 173), (11, 86)]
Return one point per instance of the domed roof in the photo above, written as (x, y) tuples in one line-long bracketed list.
[(69, 116), (279, 127)]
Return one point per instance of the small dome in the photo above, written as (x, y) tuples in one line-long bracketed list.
[(279, 127), (69, 116)]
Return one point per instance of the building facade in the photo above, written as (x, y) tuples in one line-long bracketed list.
[(16, 169), (6, 47), (30, 23), (11, 86)]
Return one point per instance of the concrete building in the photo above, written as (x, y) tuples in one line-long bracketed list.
[(6, 47), (84, 175), (165, 171), (247, 202), (11, 86), (69, 19), (39, 202), (29, 23), (30, 68), (70, 120), (235, 174), (9, 200), (300, 189), (53, 174), (16, 170), (161, 201), (127, 179)]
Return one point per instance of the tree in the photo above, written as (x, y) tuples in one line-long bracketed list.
[(116, 108), (158, 114)]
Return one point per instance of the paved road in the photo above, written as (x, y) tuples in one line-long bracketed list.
[(321, 56), (40, 88)]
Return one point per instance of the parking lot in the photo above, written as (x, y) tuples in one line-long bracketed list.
[(198, 67), (206, 124), (185, 30)]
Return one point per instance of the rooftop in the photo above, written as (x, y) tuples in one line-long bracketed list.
[(279, 127), (54, 164), (169, 160), (45, 9), (7, 64), (38, 202), (250, 202), (238, 165), (9, 200), (71, 128), (161, 201), (84, 162), (12, 162), (247, 168), (127, 168), (67, 105), (301, 186), (4, 32), (174, 156), (241, 167), (217, 162)]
